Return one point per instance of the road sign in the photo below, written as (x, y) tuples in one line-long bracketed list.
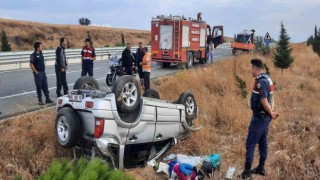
[(267, 36), (267, 39)]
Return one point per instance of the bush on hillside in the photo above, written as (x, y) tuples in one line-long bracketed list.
[(82, 170)]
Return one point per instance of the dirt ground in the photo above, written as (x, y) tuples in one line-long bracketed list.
[(28, 145), (22, 35)]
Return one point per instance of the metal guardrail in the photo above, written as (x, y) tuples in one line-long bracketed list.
[(20, 57)]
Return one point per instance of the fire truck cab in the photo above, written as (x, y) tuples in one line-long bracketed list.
[(182, 41)]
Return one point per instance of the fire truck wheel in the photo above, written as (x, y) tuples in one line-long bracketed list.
[(127, 92), (189, 60)]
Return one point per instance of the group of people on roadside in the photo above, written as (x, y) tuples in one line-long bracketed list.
[(141, 60)]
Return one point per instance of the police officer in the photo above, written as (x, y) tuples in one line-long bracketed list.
[(146, 68), (61, 67), (139, 57), (262, 108), (37, 66), (127, 60), (88, 56)]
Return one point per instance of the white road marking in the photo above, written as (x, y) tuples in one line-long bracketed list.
[(69, 72), (31, 92)]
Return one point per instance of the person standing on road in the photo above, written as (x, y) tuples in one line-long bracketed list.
[(127, 60), (61, 68), (37, 66), (88, 56), (146, 68), (211, 52), (262, 108), (139, 57)]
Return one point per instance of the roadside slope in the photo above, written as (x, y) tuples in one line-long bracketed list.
[(28, 143), (22, 34)]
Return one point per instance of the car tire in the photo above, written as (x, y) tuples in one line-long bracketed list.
[(187, 99), (68, 127), (189, 60), (151, 93), (127, 93), (87, 83), (110, 80)]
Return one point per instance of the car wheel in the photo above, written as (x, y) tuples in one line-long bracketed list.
[(187, 99), (189, 60), (67, 127), (110, 80), (86, 83), (127, 92), (151, 93)]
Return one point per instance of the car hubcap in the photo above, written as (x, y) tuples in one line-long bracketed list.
[(129, 94), (190, 106), (63, 129)]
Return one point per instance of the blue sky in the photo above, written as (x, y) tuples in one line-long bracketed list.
[(299, 16)]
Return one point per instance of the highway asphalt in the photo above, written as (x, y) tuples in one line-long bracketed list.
[(18, 91)]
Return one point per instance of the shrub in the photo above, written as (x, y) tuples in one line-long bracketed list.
[(242, 85), (82, 170), (5, 46)]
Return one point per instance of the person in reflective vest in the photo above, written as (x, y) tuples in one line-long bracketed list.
[(146, 68), (88, 56), (262, 107)]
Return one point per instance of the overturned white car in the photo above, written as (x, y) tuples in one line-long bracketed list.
[(119, 125)]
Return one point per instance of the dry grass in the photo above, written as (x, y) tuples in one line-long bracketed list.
[(23, 34), (28, 142), (294, 138)]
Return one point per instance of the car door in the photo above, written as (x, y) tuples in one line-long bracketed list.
[(140, 138), (168, 122)]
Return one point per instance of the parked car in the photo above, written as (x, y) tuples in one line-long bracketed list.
[(121, 126)]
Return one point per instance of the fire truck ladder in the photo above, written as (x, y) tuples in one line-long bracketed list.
[(176, 36)]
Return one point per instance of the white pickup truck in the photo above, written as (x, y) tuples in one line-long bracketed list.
[(121, 125)]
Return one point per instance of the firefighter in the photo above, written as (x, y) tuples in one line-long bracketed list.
[(61, 67), (146, 68), (127, 60), (139, 57), (88, 56), (262, 107), (37, 66)]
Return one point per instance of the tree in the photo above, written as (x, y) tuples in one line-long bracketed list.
[(310, 41), (89, 36), (316, 41), (122, 39), (84, 21), (282, 57), (5, 46)]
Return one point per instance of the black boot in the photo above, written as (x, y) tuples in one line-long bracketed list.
[(260, 168), (48, 100), (40, 102), (246, 174), (59, 95)]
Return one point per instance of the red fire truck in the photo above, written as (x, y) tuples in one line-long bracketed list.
[(176, 39)]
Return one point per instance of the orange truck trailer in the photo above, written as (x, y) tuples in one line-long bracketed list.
[(182, 41), (243, 42)]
